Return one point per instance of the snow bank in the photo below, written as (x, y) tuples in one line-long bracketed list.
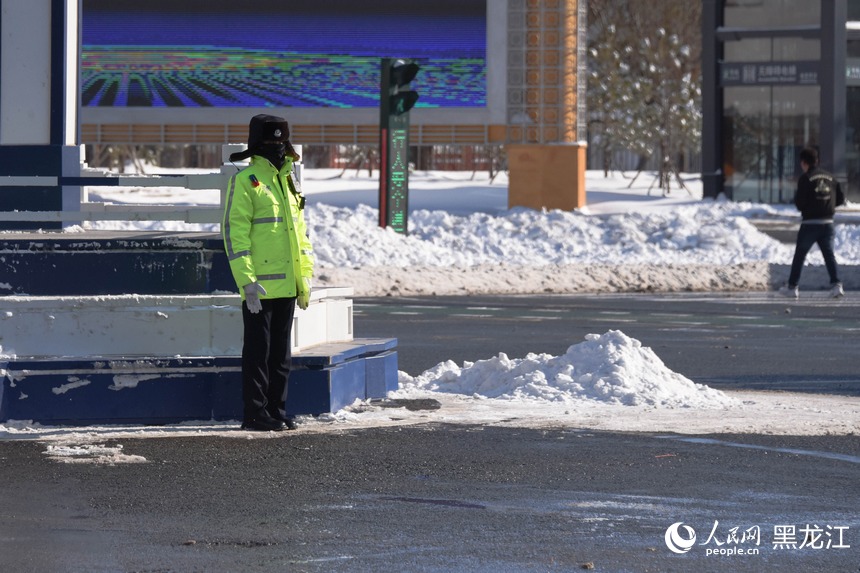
[(553, 279), (463, 239), (703, 234)]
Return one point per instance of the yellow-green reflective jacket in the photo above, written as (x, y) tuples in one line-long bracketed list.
[(264, 230)]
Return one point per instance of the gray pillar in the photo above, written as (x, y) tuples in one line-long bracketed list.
[(712, 100), (834, 14)]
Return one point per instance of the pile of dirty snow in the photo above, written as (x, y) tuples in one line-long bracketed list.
[(610, 368)]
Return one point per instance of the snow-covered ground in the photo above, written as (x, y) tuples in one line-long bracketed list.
[(463, 239)]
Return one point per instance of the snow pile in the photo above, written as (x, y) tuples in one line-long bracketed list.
[(611, 368)]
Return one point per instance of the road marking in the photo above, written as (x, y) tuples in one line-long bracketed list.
[(793, 451), (670, 314)]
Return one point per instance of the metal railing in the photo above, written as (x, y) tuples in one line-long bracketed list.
[(81, 209)]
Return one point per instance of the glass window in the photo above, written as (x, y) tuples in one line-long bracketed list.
[(853, 10), (772, 13), (772, 50), (764, 129)]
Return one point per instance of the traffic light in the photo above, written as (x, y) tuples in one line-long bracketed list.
[(395, 100), (400, 75)]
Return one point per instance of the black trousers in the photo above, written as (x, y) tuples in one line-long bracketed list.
[(809, 235), (266, 357)]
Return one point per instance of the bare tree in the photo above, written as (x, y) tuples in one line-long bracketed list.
[(359, 156), (120, 157), (645, 79)]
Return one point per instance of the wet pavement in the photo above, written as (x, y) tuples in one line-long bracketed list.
[(752, 341), (453, 498), (434, 498)]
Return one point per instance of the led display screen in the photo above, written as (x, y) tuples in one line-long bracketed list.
[(270, 53)]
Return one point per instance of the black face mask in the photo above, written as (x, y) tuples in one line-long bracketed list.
[(274, 152)]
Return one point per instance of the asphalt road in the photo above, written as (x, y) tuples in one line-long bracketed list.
[(741, 340), (485, 499), (432, 499)]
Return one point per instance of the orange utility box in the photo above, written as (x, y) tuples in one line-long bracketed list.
[(546, 176)]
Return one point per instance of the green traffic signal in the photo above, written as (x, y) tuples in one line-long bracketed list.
[(402, 102)]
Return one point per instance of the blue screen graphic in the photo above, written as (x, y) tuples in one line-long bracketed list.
[(278, 53)]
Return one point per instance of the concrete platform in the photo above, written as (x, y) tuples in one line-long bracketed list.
[(159, 390), (163, 359)]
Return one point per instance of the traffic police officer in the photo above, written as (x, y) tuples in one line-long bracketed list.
[(272, 262)]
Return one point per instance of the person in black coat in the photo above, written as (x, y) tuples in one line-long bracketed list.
[(817, 196)]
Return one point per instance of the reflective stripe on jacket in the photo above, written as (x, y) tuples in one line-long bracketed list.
[(264, 230)]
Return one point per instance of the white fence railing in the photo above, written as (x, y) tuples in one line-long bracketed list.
[(85, 210)]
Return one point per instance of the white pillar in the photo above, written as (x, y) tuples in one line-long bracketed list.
[(39, 62), (39, 84)]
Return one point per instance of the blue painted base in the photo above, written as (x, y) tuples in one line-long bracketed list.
[(117, 262), (32, 160), (169, 390)]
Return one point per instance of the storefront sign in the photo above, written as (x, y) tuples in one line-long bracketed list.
[(768, 73), (852, 72)]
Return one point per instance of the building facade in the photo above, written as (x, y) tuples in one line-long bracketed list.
[(779, 75), (529, 73)]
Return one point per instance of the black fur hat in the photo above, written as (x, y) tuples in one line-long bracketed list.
[(266, 128)]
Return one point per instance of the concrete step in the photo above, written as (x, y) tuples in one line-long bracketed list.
[(163, 390), (157, 359), (155, 325)]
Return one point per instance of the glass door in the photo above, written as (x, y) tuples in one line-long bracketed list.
[(852, 143), (764, 129)]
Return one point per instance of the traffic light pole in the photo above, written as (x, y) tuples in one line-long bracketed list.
[(394, 103)]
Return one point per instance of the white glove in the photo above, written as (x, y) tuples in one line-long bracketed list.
[(304, 296), (252, 296)]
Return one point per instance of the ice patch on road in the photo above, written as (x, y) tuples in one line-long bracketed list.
[(91, 454)]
